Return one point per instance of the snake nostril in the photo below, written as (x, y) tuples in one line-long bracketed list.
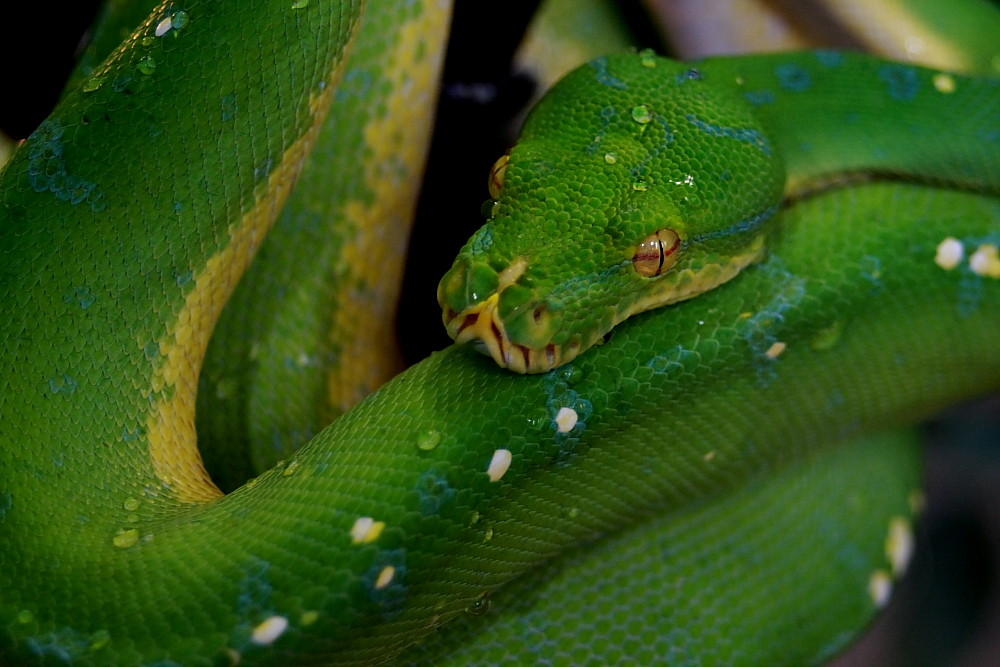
[(538, 314)]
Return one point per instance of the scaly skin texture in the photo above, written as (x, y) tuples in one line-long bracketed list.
[(632, 144), (455, 477), (274, 376)]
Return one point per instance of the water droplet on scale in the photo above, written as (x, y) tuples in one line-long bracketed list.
[(92, 84), (641, 114), (126, 538), (428, 440), (99, 640), (480, 605), (828, 337), (147, 65)]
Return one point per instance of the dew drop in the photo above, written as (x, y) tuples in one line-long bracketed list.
[(428, 440), (131, 504), (479, 606), (827, 337), (641, 114), (291, 468), (25, 616), (99, 640), (92, 84), (640, 185), (537, 419), (488, 534), (147, 65), (308, 618), (610, 158), (300, 4), (126, 538), (570, 374), (180, 19), (647, 57)]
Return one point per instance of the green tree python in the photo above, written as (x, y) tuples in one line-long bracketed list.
[(830, 222)]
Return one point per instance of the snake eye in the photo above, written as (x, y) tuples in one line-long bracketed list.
[(657, 253), (497, 172)]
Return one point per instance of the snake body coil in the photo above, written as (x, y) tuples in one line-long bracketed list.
[(872, 305)]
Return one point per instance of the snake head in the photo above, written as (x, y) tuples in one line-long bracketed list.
[(632, 187)]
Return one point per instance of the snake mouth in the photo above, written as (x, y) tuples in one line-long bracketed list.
[(481, 326)]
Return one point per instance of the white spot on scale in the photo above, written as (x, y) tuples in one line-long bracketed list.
[(986, 261), (499, 464), (566, 419), (385, 577), (944, 83), (776, 350), (366, 530), (880, 588), (164, 26), (268, 631), (950, 253), (899, 545)]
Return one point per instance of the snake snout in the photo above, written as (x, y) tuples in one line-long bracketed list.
[(466, 285), (497, 313)]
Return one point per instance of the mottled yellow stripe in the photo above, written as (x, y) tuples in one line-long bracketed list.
[(397, 140), (171, 431)]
